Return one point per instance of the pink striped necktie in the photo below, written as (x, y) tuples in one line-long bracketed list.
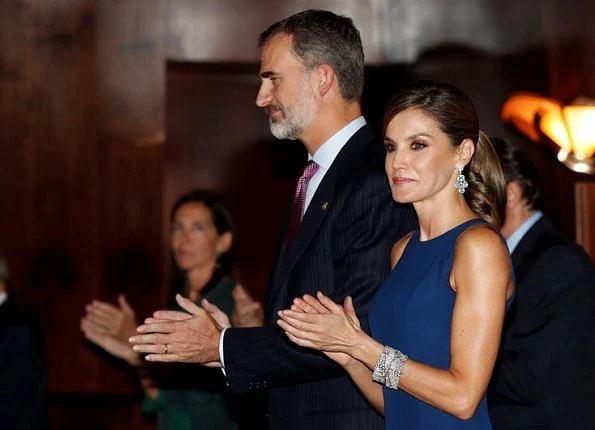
[(299, 200)]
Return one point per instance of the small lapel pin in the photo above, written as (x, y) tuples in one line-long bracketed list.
[(324, 206)]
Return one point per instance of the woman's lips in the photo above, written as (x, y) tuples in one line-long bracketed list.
[(182, 253), (402, 181)]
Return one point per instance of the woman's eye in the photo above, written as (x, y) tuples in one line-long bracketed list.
[(416, 146), (389, 147)]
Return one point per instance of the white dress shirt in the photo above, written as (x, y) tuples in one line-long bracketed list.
[(324, 157), (327, 153), (513, 240)]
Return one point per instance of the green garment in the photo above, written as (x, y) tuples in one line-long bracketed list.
[(194, 398)]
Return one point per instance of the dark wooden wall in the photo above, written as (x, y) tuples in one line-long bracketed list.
[(82, 114), (218, 139), (87, 177)]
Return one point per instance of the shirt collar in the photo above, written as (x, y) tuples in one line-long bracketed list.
[(3, 297), (326, 154), (514, 239)]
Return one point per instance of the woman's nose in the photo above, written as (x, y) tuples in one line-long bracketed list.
[(398, 160)]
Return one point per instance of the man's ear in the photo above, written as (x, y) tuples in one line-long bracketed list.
[(325, 77), (514, 194)]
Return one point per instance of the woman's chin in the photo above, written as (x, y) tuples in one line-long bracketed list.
[(183, 265), (187, 265), (401, 198)]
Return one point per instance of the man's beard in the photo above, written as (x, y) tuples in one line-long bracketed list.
[(295, 118)]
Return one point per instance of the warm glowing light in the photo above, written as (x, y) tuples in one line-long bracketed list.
[(552, 124), (521, 108), (581, 125), (572, 127)]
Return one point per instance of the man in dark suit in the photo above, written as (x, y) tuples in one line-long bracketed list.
[(22, 364), (545, 374), (311, 73)]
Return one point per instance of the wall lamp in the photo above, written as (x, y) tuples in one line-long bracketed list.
[(570, 127)]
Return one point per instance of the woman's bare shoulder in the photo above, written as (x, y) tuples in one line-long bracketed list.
[(481, 254), (481, 239)]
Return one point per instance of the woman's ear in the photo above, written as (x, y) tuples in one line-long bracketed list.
[(465, 151), (224, 242)]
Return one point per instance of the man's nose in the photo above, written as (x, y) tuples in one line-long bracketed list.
[(263, 98)]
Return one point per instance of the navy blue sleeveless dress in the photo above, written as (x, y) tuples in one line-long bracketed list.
[(412, 312)]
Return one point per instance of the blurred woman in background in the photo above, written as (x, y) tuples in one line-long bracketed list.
[(202, 254)]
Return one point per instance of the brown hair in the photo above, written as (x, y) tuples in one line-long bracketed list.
[(454, 112)]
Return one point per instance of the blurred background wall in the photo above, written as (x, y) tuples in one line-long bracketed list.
[(110, 109)]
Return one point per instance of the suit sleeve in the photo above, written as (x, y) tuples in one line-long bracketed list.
[(364, 232), (22, 380), (549, 342)]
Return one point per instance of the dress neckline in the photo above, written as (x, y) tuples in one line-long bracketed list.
[(447, 232)]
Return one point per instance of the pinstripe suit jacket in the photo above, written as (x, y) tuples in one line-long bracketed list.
[(341, 248)]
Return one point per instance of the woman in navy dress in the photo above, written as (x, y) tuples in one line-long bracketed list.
[(437, 319)]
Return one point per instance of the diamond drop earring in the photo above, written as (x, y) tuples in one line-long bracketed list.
[(461, 183)]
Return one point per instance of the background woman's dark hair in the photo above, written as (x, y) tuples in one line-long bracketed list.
[(223, 223), (457, 118)]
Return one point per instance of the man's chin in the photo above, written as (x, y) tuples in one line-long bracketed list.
[(281, 132)]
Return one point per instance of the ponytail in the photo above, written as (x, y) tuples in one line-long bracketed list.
[(486, 194)]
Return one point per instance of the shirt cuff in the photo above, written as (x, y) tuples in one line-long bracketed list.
[(221, 350)]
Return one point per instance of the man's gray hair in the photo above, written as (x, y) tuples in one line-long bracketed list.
[(321, 37)]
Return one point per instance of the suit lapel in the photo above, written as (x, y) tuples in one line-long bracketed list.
[(311, 221), (321, 204)]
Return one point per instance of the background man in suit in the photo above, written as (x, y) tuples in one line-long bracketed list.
[(22, 364), (545, 375), (312, 71)]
